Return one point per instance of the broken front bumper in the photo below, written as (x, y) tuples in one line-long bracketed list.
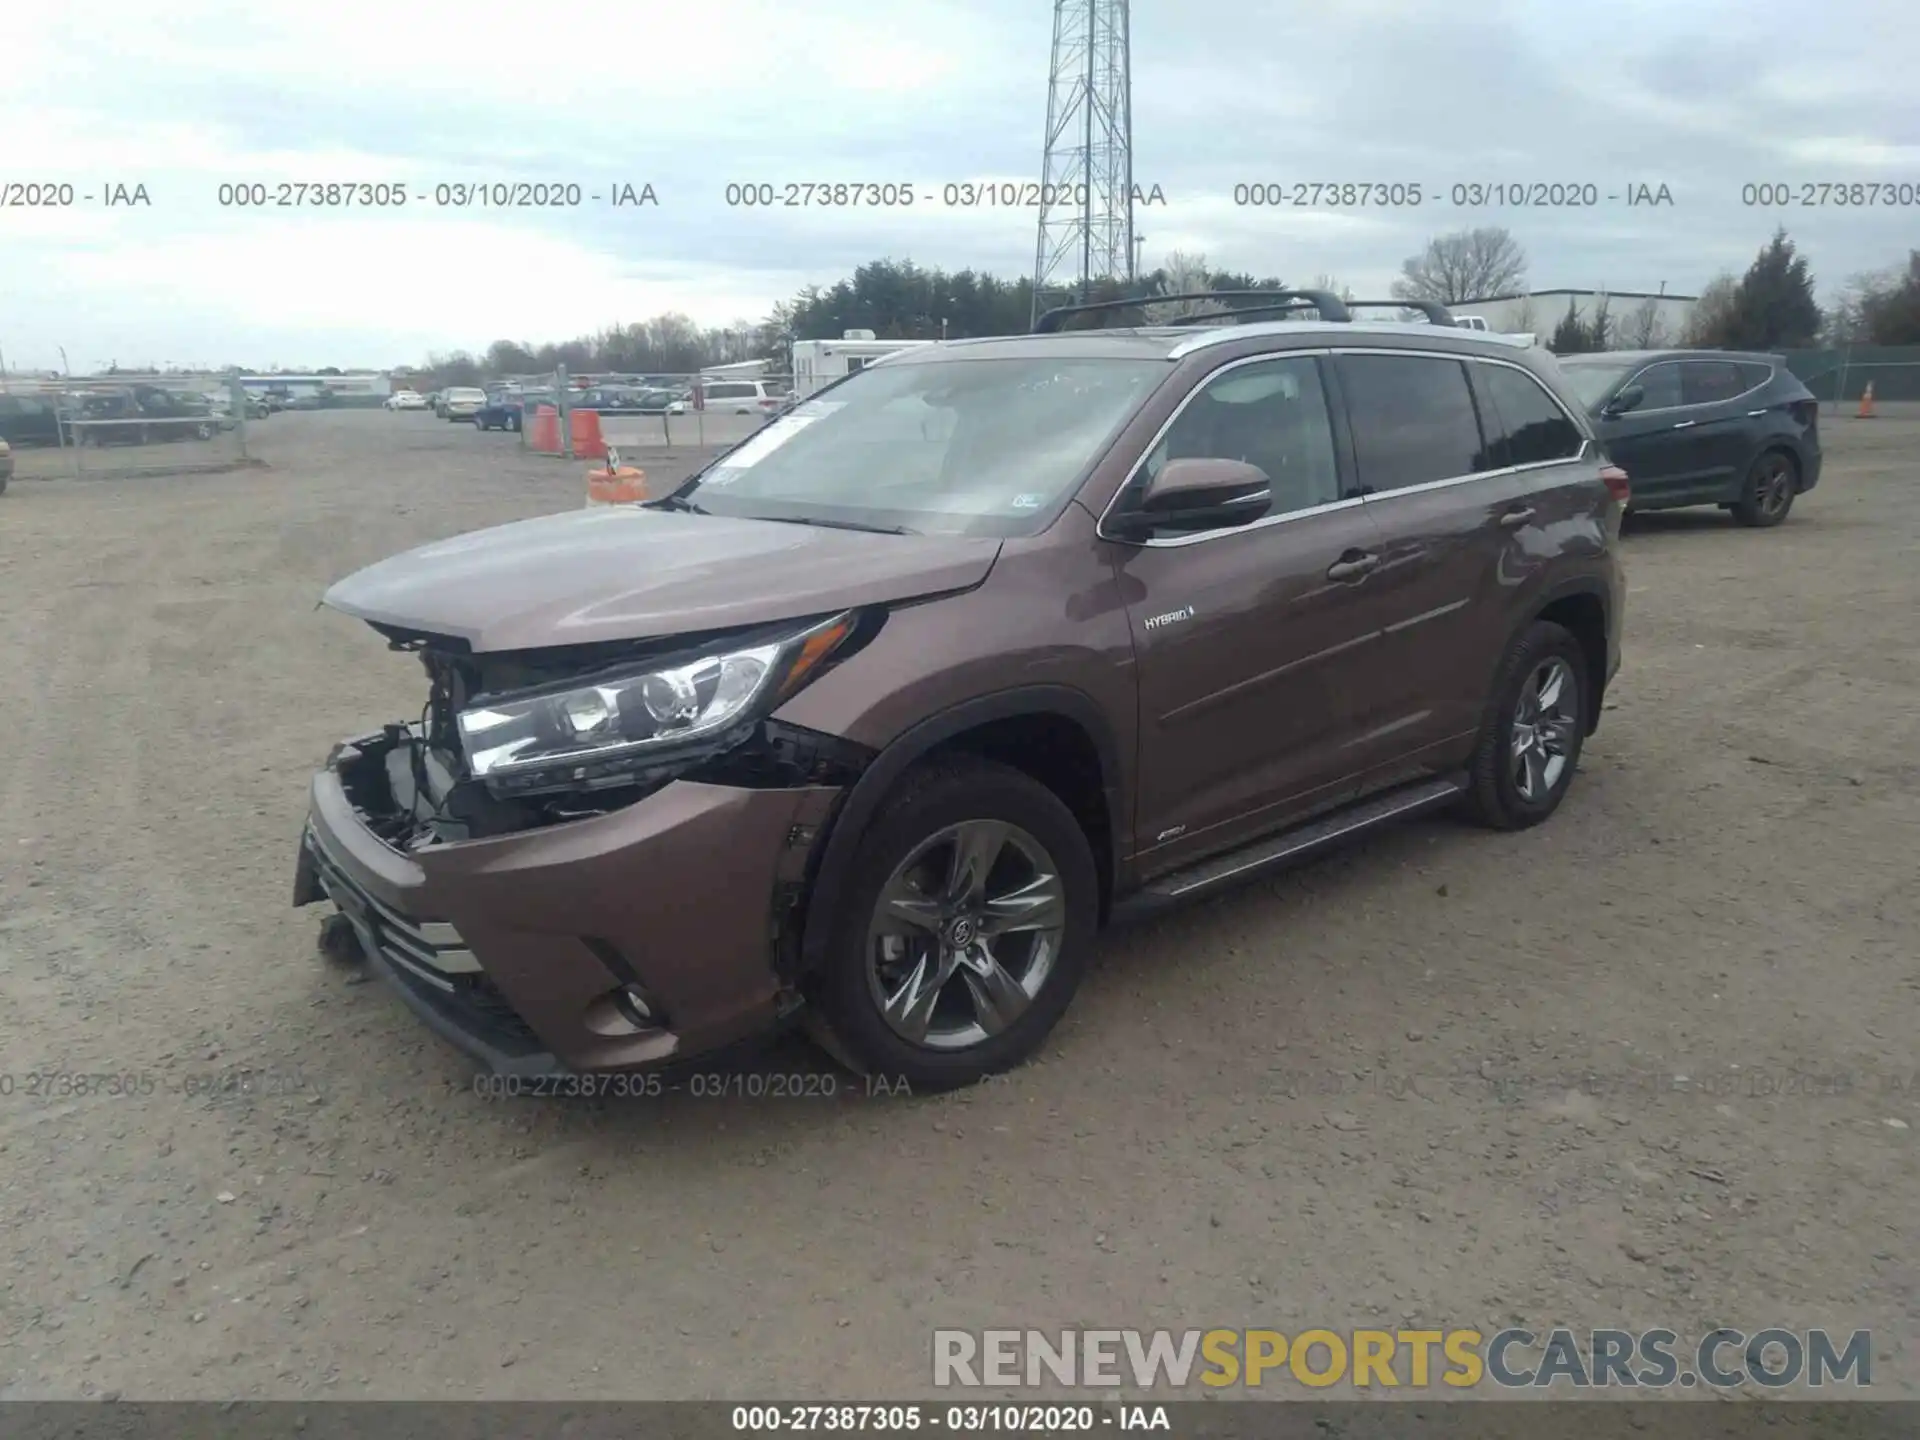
[(630, 939)]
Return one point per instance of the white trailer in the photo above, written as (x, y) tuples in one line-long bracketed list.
[(818, 363)]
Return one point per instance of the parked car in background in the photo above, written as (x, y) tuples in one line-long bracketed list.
[(142, 414), (856, 726), (306, 400), (30, 419), (502, 411), (406, 400), (1722, 428), (742, 397), (6, 465), (462, 402)]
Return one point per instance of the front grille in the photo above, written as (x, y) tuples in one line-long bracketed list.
[(429, 957)]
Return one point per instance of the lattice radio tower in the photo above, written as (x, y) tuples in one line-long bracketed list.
[(1086, 234)]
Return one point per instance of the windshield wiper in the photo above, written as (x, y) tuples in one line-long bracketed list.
[(681, 503), (838, 525)]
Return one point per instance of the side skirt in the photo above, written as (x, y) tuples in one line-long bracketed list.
[(1272, 853)]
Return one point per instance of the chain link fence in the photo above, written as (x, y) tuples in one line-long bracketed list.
[(575, 417), (99, 429), (1841, 376)]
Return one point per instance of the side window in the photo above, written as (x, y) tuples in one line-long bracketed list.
[(1272, 414), (1413, 420), (1753, 376), (1662, 384), (1534, 430), (1709, 382)]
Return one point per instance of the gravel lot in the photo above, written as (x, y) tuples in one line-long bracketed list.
[(1341, 1098)]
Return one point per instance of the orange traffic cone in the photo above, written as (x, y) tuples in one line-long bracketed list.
[(616, 484), (1866, 403), (588, 442)]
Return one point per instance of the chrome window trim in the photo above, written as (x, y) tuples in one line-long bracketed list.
[(1267, 329), (1100, 530), (1772, 371)]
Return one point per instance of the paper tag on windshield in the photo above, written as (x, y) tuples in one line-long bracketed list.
[(767, 441)]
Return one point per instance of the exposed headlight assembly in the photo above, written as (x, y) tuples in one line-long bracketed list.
[(598, 730)]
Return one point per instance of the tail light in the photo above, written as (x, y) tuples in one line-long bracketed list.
[(1806, 412), (1618, 486)]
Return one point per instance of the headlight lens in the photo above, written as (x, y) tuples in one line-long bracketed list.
[(572, 735)]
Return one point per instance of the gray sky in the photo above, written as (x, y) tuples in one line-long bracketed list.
[(1702, 97)]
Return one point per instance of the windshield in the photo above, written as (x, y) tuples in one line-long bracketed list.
[(955, 447), (1591, 380)]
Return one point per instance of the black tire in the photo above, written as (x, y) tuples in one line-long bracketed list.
[(1495, 797), (1767, 494), (846, 1017)]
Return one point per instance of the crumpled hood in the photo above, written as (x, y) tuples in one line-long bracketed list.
[(624, 573)]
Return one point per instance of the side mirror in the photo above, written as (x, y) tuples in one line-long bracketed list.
[(1202, 494), (1626, 400)]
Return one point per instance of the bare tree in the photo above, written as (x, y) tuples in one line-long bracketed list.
[(1713, 315), (1182, 273), (1644, 329), (1466, 265)]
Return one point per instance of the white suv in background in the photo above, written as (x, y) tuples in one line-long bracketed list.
[(742, 397)]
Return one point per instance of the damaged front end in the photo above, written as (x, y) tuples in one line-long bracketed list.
[(570, 751)]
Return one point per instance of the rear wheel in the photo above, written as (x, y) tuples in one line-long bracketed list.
[(1769, 491), (967, 925), (1532, 732)]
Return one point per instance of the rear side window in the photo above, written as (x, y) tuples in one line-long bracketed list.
[(1753, 376), (729, 392), (1528, 426), (1413, 420), (1707, 382)]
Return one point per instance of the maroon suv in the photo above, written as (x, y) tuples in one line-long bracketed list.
[(879, 718)]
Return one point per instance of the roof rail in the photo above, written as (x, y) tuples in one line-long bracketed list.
[(1435, 312), (1329, 306)]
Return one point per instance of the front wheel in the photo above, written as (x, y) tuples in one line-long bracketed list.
[(1769, 490), (1532, 732), (968, 923)]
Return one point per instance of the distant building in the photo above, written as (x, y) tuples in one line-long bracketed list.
[(1629, 311)]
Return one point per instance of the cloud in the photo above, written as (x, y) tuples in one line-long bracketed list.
[(1701, 98)]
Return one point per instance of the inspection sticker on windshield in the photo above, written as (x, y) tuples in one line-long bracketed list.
[(1028, 501)]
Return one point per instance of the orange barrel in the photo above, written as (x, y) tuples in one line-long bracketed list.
[(545, 435), (588, 442), (622, 485)]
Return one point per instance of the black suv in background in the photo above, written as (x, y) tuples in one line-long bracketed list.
[(1703, 428)]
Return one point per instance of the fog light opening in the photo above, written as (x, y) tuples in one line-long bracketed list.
[(634, 1005)]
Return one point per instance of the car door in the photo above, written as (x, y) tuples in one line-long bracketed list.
[(1254, 643), (1437, 493), (1653, 442), (1725, 435)]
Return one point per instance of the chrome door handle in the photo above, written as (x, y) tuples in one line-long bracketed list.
[(1752, 413), (1514, 519), (1354, 568), (1685, 423)]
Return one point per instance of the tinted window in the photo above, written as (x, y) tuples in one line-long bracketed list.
[(729, 392), (1531, 427), (1413, 420), (1272, 414), (1707, 382), (1662, 384), (1752, 377), (1591, 381)]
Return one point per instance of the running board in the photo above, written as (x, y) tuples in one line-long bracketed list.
[(1275, 852)]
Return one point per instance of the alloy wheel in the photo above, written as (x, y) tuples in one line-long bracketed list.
[(964, 935), (1774, 486), (1545, 729)]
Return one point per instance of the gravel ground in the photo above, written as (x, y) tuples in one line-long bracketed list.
[(1346, 1097)]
